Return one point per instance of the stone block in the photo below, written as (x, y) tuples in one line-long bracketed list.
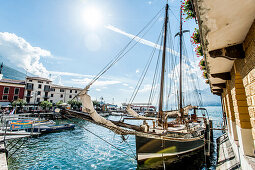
[(239, 91), (245, 81), (240, 97), (249, 101), (252, 122), (245, 125), (251, 112), (240, 103), (253, 133)]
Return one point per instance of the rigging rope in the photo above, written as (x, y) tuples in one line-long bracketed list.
[(120, 54), (138, 85), (101, 138)]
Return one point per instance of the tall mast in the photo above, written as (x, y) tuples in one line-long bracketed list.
[(163, 68), (180, 88)]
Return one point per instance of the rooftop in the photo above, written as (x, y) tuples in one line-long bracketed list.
[(11, 81), (65, 87), (38, 78)]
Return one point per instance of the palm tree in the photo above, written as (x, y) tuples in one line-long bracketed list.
[(45, 105), (20, 103)]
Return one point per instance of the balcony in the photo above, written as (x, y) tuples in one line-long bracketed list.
[(47, 88), (46, 97)]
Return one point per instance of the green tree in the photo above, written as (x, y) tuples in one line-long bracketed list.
[(74, 104), (58, 104), (45, 105), (96, 103), (20, 103)]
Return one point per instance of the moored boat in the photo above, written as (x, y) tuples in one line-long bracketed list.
[(51, 128)]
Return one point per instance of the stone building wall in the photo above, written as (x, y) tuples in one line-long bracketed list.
[(239, 95)]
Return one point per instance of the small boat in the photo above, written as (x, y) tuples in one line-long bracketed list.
[(51, 128)]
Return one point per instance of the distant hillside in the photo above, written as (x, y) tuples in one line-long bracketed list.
[(10, 73)]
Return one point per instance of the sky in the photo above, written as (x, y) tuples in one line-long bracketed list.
[(70, 41)]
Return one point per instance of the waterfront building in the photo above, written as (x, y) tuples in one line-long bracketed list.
[(41, 89), (37, 89), (11, 90), (227, 32), (63, 93)]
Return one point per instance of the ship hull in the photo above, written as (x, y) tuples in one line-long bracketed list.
[(151, 151)]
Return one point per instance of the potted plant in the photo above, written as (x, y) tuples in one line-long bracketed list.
[(187, 7)]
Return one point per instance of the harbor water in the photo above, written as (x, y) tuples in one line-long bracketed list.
[(80, 149)]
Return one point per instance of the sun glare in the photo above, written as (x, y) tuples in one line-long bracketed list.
[(92, 17)]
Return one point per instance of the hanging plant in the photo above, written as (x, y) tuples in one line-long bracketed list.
[(187, 7), (195, 38), (205, 75), (202, 64), (199, 51)]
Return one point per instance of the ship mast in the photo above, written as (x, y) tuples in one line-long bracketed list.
[(180, 84), (161, 117)]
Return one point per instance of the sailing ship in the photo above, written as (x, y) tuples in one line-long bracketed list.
[(163, 138)]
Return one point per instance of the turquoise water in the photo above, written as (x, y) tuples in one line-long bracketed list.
[(79, 149)]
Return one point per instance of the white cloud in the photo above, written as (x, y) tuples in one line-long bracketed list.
[(125, 84), (98, 89), (146, 88), (137, 71), (149, 2), (140, 40), (58, 73), (86, 81), (19, 52)]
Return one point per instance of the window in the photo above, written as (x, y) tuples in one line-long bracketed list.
[(15, 97), (51, 101), (75, 91), (51, 95), (38, 93), (46, 88), (46, 94), (40, 82), (70, 96), (5, 97), (30, 80), (62, 90), (28, 93), (47, 82), (61, 96), (52, 89), (38, 100), (6, 90), (30, 86), (16, 91), (39, 86), (28, 100), (71, 91)]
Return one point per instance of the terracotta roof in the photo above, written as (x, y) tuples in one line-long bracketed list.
[(65, 87), (38, 78), (12, 81)]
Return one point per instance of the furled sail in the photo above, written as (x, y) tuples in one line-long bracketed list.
[(89, 108)]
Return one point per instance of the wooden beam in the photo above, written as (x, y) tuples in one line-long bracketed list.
[(232, 52), (218, 94), (217, 90), (220, 85), (223, 76)]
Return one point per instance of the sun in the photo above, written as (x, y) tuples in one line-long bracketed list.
[(92, 17)]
